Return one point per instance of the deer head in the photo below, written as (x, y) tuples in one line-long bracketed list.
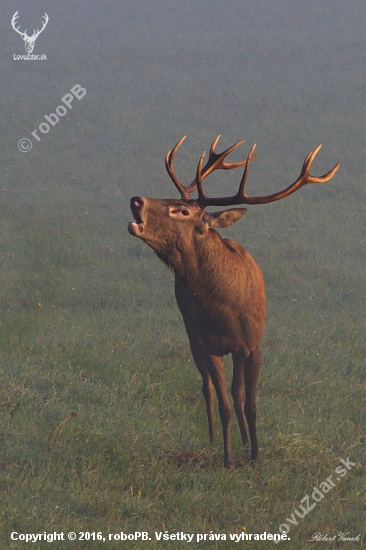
[(29, 41)]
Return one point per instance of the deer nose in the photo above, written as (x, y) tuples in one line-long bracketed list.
[(137, 202)]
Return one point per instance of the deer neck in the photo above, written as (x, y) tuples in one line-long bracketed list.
[(199, 265)]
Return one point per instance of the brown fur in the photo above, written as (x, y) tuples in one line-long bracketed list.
[(220, 292)]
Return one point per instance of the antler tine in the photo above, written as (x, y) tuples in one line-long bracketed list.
[(307, 165), (15, 17), (216, 161), (246, 170), (308, 162), (198, 179), (170, 169)]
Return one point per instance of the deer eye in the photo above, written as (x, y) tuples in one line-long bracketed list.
[(185, 212)]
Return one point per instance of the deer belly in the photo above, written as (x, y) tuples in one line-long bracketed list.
[(221, 336), (222, 327)]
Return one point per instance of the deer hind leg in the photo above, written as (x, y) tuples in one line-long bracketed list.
[(252, 365), (237, 392), (215, 366)]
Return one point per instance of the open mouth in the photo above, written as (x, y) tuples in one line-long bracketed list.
[(137, 217), (136, 227)]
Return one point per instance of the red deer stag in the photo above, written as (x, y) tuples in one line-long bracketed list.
[(218, 286)]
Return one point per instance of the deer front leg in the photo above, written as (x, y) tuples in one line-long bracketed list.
[(183, 299), (207, 386), (215, 366)]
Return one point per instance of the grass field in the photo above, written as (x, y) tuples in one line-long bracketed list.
[(96, 332), (103, 426)]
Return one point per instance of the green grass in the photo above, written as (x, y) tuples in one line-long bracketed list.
[(97, 333)]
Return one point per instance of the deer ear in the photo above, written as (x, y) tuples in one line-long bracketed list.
[(226, 217)]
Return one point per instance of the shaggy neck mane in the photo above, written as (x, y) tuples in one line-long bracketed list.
[(203, 264)]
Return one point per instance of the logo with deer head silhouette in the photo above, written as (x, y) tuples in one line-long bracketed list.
[(29, 41)]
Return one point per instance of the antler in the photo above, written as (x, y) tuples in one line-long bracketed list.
[(35, 34), (216, 161), (13, 21)]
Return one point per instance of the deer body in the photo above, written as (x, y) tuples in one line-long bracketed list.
[(218, 286), (223, 294)]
